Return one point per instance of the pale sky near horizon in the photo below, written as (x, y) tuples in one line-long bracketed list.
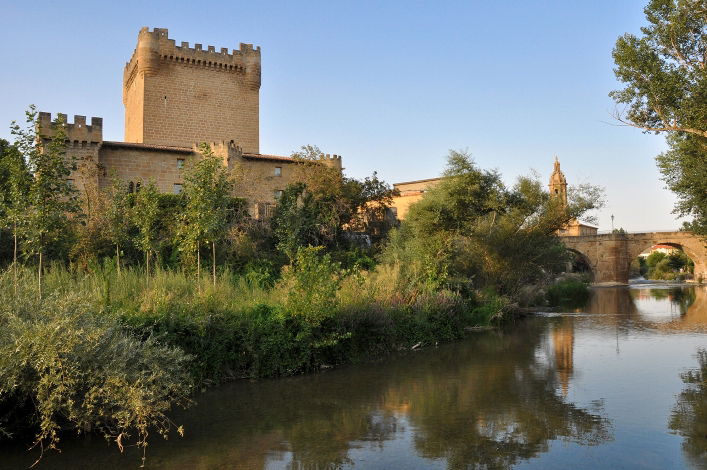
[(390, 86)]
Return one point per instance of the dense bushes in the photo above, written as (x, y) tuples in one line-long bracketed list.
[(568, 292), (65, 365)]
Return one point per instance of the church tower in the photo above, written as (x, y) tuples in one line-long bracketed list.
[(558, 183)]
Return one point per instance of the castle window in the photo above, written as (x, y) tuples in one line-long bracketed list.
[(278, 171), (131, 187), (180, 163), (137, 187), (177, 188), (278, 193)]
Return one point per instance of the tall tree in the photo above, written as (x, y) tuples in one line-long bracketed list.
[(665, 75), (117, 216), (208, 192), (145, 215), (51, 197), (15, 180)]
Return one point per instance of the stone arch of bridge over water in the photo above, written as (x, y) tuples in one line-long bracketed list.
[(694, 248), (582, 264), (610, 255)]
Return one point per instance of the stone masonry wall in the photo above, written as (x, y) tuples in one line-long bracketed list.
[(178, 96), (143, 165)]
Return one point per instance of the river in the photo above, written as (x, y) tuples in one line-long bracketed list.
[(618, 383)]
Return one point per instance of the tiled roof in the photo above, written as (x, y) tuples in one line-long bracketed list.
[(417, 181), (260, 156), (158, 148)]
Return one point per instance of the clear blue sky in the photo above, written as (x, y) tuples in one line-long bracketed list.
[(391, 86)]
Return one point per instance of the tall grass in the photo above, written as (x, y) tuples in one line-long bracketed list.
[(131, 343)]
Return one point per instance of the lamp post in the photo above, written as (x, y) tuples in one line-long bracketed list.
[(612, 222)]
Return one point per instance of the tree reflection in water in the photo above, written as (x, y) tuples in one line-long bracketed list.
[(489, 402), (689, 416), (494, 417)]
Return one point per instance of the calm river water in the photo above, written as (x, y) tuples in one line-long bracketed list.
[(615, 384)]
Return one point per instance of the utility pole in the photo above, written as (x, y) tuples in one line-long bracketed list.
[(612, 222)]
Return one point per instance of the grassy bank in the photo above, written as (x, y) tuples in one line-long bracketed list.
[(113, 351)]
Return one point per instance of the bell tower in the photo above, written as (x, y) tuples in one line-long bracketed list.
[(558, 183)]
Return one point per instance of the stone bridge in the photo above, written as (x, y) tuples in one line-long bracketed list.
[(609, 255)]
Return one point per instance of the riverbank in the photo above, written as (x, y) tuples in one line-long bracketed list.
[(114, 352), (412, 410)]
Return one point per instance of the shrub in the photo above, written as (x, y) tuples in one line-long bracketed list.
[(80, 371), (568, 292)]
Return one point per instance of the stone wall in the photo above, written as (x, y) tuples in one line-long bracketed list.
[(140, 163), (178, 95)]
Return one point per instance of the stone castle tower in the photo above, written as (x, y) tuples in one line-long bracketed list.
[(178, 95), (175, 98), (558, 183)]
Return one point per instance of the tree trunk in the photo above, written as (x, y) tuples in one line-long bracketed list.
[(39, 275), (198, 266), (147, 267), (14, 255), (213, 260), (117, 257)]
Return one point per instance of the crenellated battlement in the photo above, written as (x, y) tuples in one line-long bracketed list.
[(333, 161), (155, 48), (78, 131), (227, 150)]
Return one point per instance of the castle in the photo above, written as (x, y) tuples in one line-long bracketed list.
[(175, 98)]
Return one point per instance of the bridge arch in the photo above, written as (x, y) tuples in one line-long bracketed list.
[(610, 255), (581, 264)]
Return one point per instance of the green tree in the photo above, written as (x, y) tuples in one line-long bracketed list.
[(51, 197), (665, 76), (15, 180), (471, 229), (323, 205), (117, 216), (207, 191), (145, 215)]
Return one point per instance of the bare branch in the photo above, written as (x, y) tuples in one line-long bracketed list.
[(665, 128)]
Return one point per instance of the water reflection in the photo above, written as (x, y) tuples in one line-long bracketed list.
[(498, 400), (663, 308), (689, 416)]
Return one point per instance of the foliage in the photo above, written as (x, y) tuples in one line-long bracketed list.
[(72, 368), (663, 70), (324, 204), (568, 292), (472, 232), (15, 180), (50, 198), (145, 214), (675, 265), (207, 192)]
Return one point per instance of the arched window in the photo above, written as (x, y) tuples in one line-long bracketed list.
[(131, 187)]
